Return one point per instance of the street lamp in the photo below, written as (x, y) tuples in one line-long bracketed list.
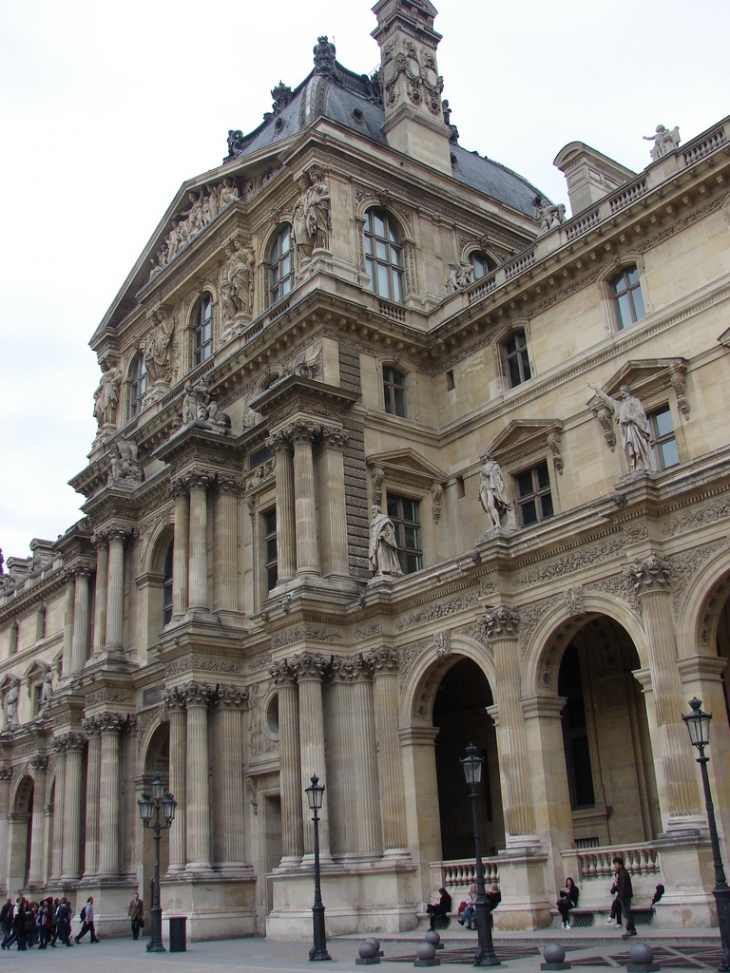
[(472, 765), (698, 724), (318, 951), (165, 802)]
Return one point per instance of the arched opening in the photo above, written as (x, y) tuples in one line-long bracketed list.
[(722, 645), (21, 834), (157, 761), (608, 755), (460, 713)]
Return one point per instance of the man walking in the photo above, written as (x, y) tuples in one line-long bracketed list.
[(136, 914), (87, 917), (625, 893)]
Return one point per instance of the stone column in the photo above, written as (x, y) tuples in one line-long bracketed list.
[(92, 730), (384, 663), (6, 775), (225, 547), (301, 434), (111, 725), (115, 591), (198, 571), (679, 794), (47, 838), (519, 814), (39, 766), (82, 605), (74, 745), (101, 595), (310, 671), (289, 764), (181, 550), (175, 702), (58, 806), (231, 702), (68, 624), (197, 700), (333, 504), (285, 525)]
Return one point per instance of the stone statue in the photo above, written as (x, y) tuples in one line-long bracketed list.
[(106, 397), (227, 192), (46, 689), (11, 704), (635, 432), (2, 561), (299, 231), (491, 490), (324, 56), (237, 290), (548, 215), (125, 462), (664, 141), (199, 406), (452, 280), (236, 142), (383, 547), (157, 359), (282, 96), (311, 221)]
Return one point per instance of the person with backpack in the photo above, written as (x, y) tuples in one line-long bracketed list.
[(87, 918)]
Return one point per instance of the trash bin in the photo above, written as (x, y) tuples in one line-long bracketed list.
[(177, 934)]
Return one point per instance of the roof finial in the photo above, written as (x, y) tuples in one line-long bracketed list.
[(324, 56)]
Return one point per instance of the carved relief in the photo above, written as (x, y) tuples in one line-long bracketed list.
[(685, 566), (408, 656), (574, 600), (575, 561), (440, 609), (437, 495), (698, 516), (423, 84), (199, 664), (501, 622), (368, 629), (651, 575), (125, 464)]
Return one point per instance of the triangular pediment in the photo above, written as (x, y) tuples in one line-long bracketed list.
[(407, 462), (646, 375), (522, 437)]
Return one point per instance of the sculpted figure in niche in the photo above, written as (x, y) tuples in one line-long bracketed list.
[(664, 141), (46, 689), (300, 233), (635, 432), (199, 406), (491, 490), (157, 350), (11, 704), (237, 290), (106, 397), (311, 221), (383, 547), (125, 462)]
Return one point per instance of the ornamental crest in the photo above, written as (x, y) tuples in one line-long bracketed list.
[(423, 83)]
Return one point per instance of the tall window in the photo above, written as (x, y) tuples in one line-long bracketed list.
[(138, 384), (383, 255), (481, 263), (167, 585), (516, 358), (405, 516), (663, 440), (270, 554), (203, 331), (281, 265), (533, 495), (394, 391), (629, 300)]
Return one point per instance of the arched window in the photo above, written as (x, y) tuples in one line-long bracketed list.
[(516, 358), (383, 255), (627, 296), (137, 384), (203, 330), (481, 263), (167, 585), (394, 391), (281, 264)]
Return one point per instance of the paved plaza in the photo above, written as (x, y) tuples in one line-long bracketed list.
[(587, 950)]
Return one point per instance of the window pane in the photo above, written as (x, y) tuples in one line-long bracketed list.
[(368, 244), (529, 513), (514, 372), (633, 275), (670, 454), (381, 250), (285, 286), (664, 424), (639, 307), (399, 402), (619, 285), (383, 288), (524, 484), (546, 502), (393, 507), (394, 238), (371, 272), (413, 563), (624, 311), (378, 225), (396, 257), (525, 365), (410, 509), (543, 477), (397, 286)]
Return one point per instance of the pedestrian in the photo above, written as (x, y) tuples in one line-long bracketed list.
[(53, 905), (44, 923), (63, 921), (6, 922), (19, 923), (136, 914), (625, 893), (87, 918)]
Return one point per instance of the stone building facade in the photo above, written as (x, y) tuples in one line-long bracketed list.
[(393, 455)]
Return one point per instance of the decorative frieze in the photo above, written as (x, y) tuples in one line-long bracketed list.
[(574, 561), (439, 609)]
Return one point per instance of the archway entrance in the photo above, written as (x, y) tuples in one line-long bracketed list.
[(157, 760), (608, 756), (460, 713), (21, 834)]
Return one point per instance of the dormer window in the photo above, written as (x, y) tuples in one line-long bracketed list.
[(383, 255), (481, 263)]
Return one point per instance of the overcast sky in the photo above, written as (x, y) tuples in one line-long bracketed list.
[(106, 106)]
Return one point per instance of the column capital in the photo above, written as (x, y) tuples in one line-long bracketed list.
[(302, 431), (69, 743), (310, 666), (39, 763), (197, 476), (501, 622), (174, 699), (115, 722), (230, 484), (334, 437), (91, 726), (197, 694), (179, 487), (654, 574), (80, 569), (112, 532), (278, 442), (230, 697), (281, 673), (351, 668), (383, 661), (6, 773)]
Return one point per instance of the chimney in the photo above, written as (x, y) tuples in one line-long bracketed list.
[(590, 174)]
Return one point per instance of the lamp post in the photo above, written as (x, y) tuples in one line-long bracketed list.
[(472, 765), (165, 802), (698, 724), (319, 950)]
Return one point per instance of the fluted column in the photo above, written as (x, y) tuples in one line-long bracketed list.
[(285, 522), (333, 504), (100, 599), (82, 605), (59, 801), (93, 768), (197, 700), (175, 702), (6, 775), (47, 839), (367, 839), (115, 590), (289, 766), (225, 546), (519, 815), (112, 725), (310, 669), (679, 795), (68, 624), (231, 702), (74, 745), (181, 550), (198, 570), (302, 434), (39, 766), (384, 663)]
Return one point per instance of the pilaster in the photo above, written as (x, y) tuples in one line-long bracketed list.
[(310, 669), (198, 482), (301, 434), (289, 764), (74, 745), (333, 521), (175, 703), (230, 702), (384, 665), (181, 550), (92, 730), (285, 522), (39, 766), (198, 697)]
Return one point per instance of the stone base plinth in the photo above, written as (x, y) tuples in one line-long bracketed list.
[(526, 899), (688, 876), (215, 908), (111, 905)]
